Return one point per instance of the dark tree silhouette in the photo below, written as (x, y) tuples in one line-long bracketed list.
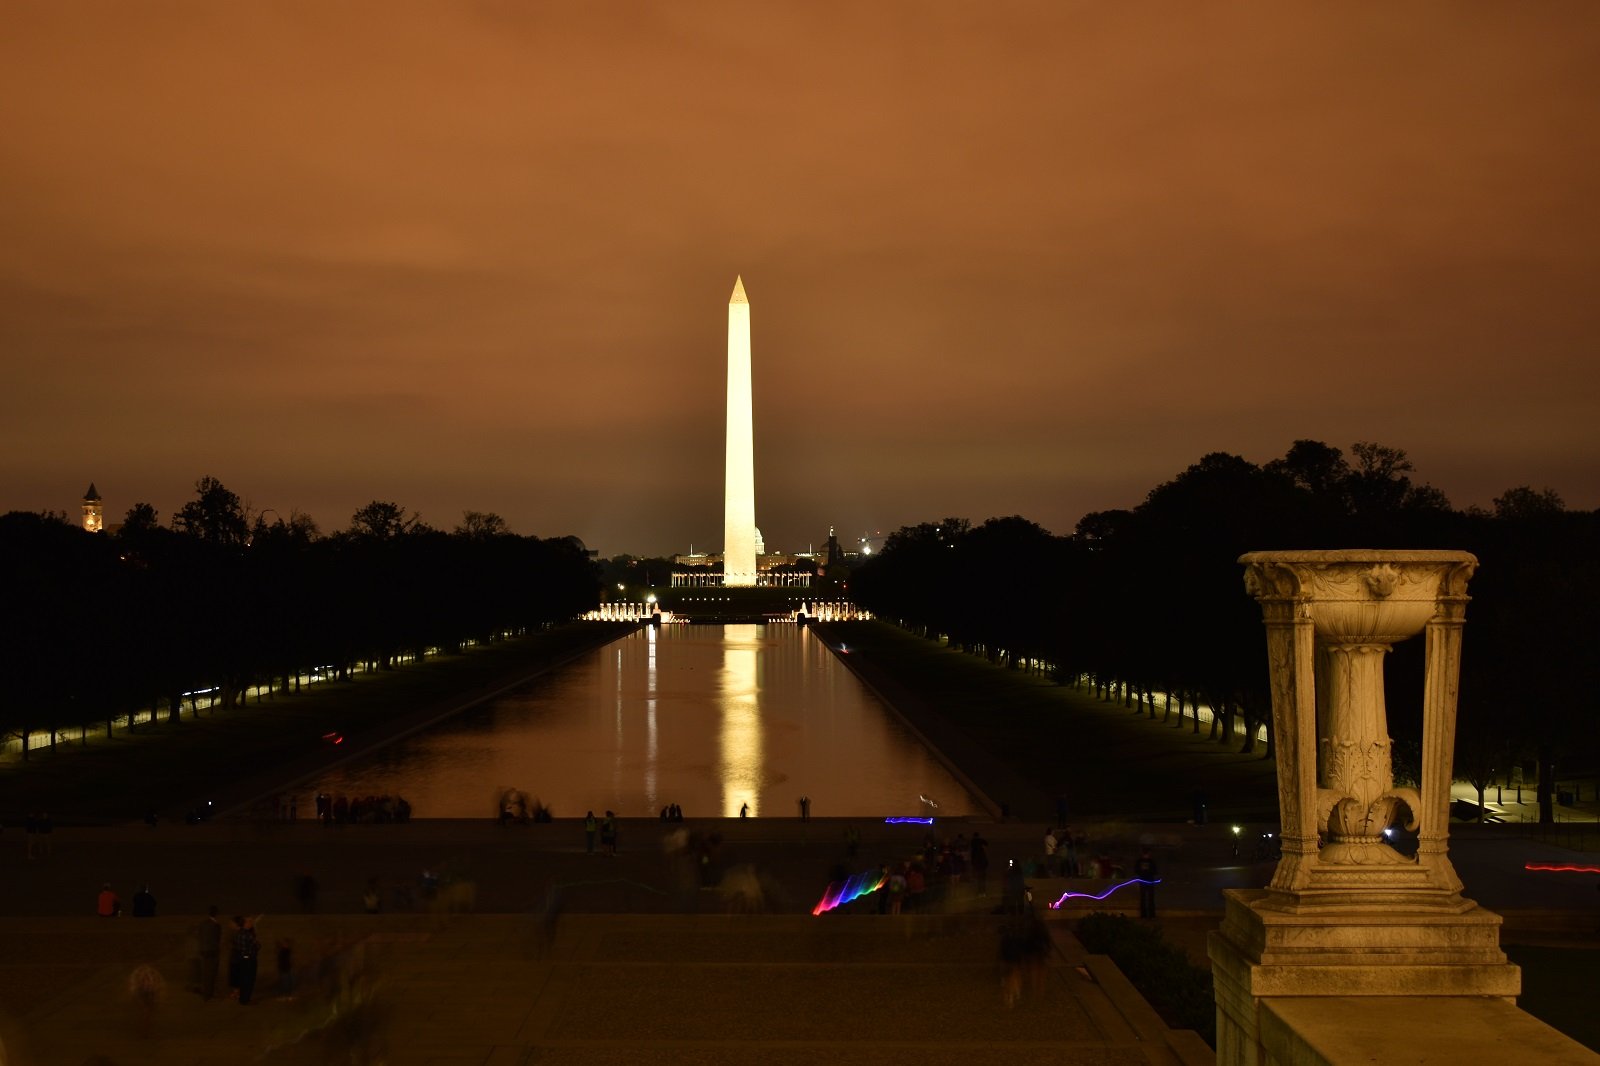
[(215, 516)]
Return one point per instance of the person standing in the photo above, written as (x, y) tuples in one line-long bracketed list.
[(1145, 870), (590, 828), (744, 810), (897, 889), (1050, 846), (285, 967), (608, 834), (207, 947), (244, 959)]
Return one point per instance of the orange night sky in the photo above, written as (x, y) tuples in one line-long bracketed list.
[(1003, 258)]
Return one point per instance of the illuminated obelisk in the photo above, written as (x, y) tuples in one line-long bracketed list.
[(739, 495)]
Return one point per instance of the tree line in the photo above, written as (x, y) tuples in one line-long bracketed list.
[(1151, 600), (96, 626)]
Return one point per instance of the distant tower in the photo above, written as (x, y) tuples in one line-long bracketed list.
[(93, 517), (739, 496)]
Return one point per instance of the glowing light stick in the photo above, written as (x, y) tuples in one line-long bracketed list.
[(1090, 895), (851, 888), (908, 821), (1561, 867)]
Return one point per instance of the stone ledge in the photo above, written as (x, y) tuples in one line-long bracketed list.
[(1341, 1031), (1185, 1045)]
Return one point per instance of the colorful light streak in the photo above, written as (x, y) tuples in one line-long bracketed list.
[(1561, 867), (908, 821), (1090, 895), (851, 888)]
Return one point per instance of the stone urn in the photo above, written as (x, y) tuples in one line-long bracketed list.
[(1332, 617)]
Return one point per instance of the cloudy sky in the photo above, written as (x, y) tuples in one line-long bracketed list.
[(1013, 258)]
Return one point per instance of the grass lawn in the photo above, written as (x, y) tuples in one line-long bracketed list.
[(231, 756), (1055, 740)]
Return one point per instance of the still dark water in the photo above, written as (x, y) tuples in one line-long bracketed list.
[(708, 717)]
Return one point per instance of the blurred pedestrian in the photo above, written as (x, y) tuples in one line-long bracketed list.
[(285, 967), (1145, 870), (147, 987), (979, 852), (207, 934), (590, 827)]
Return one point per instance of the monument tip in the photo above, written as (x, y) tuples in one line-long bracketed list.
[(738, 296)]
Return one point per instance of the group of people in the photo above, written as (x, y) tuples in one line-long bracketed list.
[(605, 828), (1064, 856), (1068, 854), (244, 958), (911, 884), (672, 813), (362, 810), (109, 905)]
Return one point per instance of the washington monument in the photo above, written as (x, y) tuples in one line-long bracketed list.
[(739, 494)]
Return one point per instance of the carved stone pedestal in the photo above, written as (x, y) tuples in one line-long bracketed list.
[(1346, 915), (1262, 954)]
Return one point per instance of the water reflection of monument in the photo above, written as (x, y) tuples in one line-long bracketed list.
[(740, 749)]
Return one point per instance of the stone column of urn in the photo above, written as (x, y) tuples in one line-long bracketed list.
[(1346, 914)]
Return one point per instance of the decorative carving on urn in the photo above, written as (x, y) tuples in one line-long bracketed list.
[(1381, 579), (1342, 611)]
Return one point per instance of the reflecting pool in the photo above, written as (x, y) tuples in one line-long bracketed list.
[(708, 717)]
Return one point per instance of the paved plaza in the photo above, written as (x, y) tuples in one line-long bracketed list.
[(607, 989), (576, 957), (547, 976)]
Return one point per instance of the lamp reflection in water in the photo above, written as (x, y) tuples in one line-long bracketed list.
[(740, 769), (650, 717), (619, 701)]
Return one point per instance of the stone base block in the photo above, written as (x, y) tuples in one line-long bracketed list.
[(1263, 955), (1288, 949)]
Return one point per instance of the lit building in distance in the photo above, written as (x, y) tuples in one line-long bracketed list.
[(93, 512)]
